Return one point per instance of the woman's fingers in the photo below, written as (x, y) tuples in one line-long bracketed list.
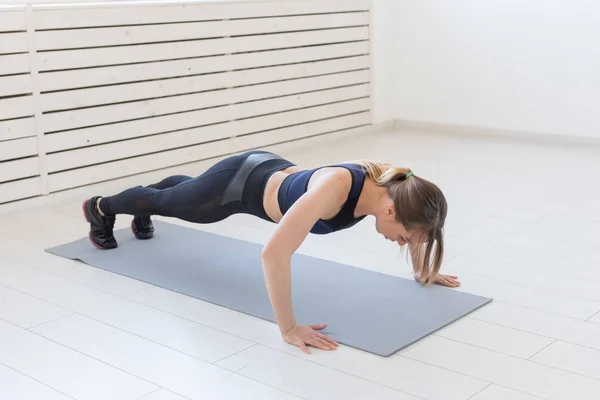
[(303, 347), (454, 281), (304, 336), (321, 327), (320, 335), (333, 342), (448, 280), (321, 344), (328, 343)]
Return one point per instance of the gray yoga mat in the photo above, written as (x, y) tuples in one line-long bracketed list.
[(371, 311)]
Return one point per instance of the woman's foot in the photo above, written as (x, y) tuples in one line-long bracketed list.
[(101, 227), (142, 227)]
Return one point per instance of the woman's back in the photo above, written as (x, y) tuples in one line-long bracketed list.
[(286, 187)]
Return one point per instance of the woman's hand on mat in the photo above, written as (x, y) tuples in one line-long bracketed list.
[(447, 280), (443, 280), (303, 335)]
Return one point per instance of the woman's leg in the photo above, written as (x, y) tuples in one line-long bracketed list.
[(170, 182), (195, 199), (141, 225)]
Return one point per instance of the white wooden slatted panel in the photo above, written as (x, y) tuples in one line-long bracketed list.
[(150, 126), (14, 64), (136, 147), (51, 81), (17, 128), (301, 131), (299, 67), (18, 190), (69, 39), (17, 134), (12, 19), (56, 60), (15, 107), (132, 14), (15, 84), (131, 166), (121, 112), (18, 148), (143, 90), (13, 42), (18, 169)]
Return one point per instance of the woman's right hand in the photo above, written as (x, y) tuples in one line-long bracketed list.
[(303, 335)]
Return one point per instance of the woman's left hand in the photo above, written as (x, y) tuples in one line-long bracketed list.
[(447, 280)]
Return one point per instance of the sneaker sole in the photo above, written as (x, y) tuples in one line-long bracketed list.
[(84, 213)]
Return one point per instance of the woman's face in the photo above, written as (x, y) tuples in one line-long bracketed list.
[(392, 230), (387, 225)]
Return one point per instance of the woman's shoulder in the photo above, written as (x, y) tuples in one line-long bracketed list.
[(334, 183), (332, 175)]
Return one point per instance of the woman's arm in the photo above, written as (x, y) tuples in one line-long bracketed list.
[(326, 195)]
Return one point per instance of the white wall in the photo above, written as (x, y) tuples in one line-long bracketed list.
[(382, 48), (527, 65)]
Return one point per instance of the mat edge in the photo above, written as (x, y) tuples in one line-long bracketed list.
[(487, 300)]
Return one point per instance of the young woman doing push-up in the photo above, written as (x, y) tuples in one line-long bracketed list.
[(407, 209)]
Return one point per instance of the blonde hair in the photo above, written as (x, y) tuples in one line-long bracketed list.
[(419, 205)]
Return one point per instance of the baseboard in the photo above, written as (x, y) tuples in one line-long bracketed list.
[(498, 134), (388, 125)]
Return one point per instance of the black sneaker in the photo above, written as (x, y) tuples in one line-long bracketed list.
[(142, 227), (101, 228)]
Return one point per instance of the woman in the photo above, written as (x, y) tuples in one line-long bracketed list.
[(407, 210)]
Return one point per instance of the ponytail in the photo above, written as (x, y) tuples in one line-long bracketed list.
[(382, 175), (434, 255)]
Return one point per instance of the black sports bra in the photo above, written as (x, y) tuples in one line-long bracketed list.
[(296, 184)]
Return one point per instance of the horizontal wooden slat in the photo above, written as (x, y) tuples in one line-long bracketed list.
[(15, 107), (13, 42), (136, 147), (133, 14), (17, 128), (136, 128), (131, 166), (142, 109), (18, 190), (18, 148), (151, 126), (144, 90), (51, 81), (71, 39), (12, 170), (14, 64), (12, 20), (302, 131), (68, 59), (15, 84)]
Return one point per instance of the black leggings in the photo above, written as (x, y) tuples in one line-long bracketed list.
[(231, 186)]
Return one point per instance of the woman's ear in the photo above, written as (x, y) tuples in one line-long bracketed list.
[(390, 212)]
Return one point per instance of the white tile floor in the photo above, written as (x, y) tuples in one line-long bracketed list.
[(524, 228)]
